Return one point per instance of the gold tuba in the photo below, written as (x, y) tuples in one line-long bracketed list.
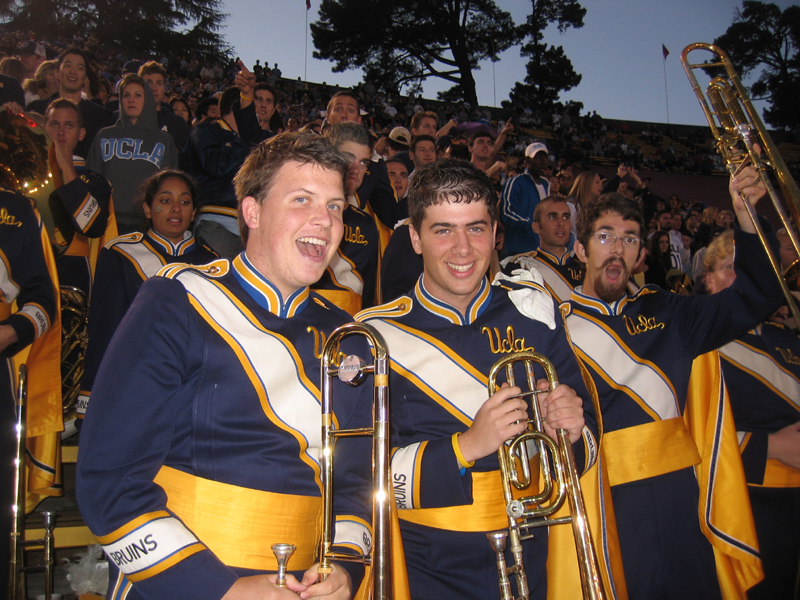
[(352, 370), (529, 512), (17, 568), (737, 128), (74, 339)]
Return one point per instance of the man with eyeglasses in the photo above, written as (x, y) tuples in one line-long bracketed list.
[(639, 351)]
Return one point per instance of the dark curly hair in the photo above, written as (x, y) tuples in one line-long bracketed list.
[(448, 180)]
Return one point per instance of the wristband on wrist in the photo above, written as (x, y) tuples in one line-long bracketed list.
[(461, 460)]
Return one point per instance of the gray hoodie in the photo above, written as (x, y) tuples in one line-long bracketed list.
[(127, 154)]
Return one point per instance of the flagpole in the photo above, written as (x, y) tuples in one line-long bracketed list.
[(494, 82), (665, 52), (305, 57)]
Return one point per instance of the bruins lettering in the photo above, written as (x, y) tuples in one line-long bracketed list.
[(789, 356), (90, 208), (134, 551), (641, 325), (505, 345), (354, 236), (400, 490), (7, 219)]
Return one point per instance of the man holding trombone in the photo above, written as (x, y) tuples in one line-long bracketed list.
[(443, 338), (201, 445), (664, 467)]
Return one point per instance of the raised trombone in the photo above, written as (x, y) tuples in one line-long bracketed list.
[(352, 370), (527, 513), (737, 128)]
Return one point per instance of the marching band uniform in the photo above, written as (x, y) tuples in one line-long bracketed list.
[(639, 352), (762, 372), (83, 212), (350, 279), (123, 265), (204, 448), (560, 275), (440, 362), (25, 278)]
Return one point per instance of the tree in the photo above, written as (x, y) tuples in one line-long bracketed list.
[(764, 41), (143, 28), (404, 42), (549, 70)]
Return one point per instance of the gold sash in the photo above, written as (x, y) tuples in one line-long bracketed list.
[(643, 451), (240, 525), (487, 511), (779, 475)]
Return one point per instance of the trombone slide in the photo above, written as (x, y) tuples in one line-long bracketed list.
[(352, 371), (17, 568)]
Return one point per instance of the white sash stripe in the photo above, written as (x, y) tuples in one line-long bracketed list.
[(343, 274), (620, 366), (403, 464), (766, 368), (148, 545), (551, 277), (352, 532), (148, 261), (439, 371), (555, 281), (295, 405)]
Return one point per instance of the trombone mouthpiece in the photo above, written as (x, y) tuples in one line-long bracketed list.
[(282, 553), (497, 540)]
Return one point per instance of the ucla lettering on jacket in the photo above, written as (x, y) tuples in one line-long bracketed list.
[(130, 149)]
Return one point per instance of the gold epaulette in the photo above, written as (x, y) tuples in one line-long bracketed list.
[(396, 308), (215, 269)]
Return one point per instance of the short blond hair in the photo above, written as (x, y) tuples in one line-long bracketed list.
[(720, 248)]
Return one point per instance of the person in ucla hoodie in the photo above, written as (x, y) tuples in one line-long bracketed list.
[(132, 150)]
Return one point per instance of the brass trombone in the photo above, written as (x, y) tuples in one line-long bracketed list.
[(352, 370), (17, 568), (737, 127), (529, 512)]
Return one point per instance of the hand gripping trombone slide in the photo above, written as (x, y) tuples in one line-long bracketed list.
[(528, 512)]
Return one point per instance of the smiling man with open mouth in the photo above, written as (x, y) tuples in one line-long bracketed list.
[(214, 371)]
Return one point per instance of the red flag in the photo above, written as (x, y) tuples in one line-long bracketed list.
[(664, 51), (308, 4)]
